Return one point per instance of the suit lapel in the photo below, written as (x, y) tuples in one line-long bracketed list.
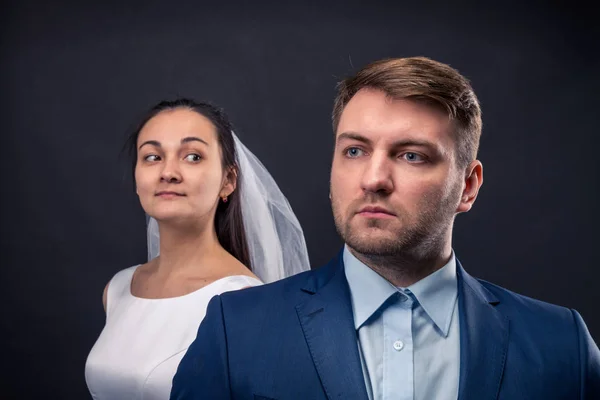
[(483, 340), (328, 325)]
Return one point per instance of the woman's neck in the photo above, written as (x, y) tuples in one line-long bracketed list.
[(185, 248)]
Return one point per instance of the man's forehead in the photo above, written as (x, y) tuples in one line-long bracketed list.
[(374, 104), (374, 115)]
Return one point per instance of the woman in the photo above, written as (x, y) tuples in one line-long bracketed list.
[(220, 216)]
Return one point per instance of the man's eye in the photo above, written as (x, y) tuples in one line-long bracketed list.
[(354, 152), (152, 157), (413, 157), (193, 157)]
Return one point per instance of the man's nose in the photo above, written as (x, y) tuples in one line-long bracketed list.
[(377, 176)]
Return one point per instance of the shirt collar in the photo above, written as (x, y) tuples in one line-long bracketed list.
[(436, 293)]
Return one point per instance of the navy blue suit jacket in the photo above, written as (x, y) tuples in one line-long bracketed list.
[(295, 339)]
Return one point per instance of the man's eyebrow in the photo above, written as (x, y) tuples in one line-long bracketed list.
[(413, 142), (398, 143), (353, 136)]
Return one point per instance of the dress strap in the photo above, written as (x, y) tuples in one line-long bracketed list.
[(119, 287)]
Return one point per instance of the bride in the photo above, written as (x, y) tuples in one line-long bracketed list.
[(223, 224)]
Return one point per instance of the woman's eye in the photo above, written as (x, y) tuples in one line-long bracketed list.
[(151, 157), (413, 157), (193, 157), (354, 152)]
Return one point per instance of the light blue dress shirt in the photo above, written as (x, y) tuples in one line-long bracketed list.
[(408, 338)]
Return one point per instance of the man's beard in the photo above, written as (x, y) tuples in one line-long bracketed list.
[(415, 238)]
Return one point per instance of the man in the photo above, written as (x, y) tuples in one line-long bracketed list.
[(394, 315)]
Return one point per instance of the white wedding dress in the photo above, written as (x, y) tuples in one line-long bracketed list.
[(143, 341)]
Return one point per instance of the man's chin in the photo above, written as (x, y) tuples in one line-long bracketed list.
[(374, 244)]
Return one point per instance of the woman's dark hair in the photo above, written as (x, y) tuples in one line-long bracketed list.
[(229, 224)]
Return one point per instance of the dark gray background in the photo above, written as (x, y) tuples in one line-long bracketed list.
[(75, 77)]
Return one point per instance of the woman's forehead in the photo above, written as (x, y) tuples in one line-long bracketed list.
[(175, 125)]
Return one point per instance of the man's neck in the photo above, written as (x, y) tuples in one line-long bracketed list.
[(403, 270)]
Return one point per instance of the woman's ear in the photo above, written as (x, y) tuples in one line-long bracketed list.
[(229, 182)]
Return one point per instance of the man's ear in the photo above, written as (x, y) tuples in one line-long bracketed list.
[(473, 180)]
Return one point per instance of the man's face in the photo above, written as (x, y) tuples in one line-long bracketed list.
[(395, 185)]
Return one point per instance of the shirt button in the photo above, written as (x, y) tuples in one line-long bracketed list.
[(398, 345)]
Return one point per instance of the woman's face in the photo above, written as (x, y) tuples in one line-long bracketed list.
[(179, 175)]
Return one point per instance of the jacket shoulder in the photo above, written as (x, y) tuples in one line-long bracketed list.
[(278, 295), (519, 306)]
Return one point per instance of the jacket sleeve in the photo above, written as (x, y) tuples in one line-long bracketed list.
[(589, 359), (204, 370)]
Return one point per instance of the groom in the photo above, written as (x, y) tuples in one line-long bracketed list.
[(394, 315)]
